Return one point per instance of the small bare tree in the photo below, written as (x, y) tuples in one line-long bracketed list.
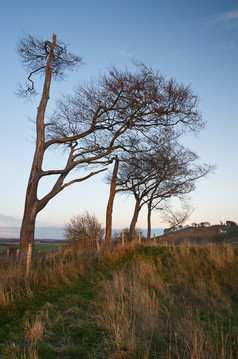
[(178, 217), (152, 178)]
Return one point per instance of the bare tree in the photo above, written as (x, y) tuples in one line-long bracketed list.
[(52, 59), (131, 148), (178, 217), (162, 106), (170, 171)]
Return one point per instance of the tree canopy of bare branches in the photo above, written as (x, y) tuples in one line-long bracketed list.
[(34, 53)]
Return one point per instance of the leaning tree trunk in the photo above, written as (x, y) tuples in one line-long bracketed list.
[(108, 235), (31, 201), (134, 219), (149, 222)]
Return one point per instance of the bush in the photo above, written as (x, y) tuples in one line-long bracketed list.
[(84, 230)]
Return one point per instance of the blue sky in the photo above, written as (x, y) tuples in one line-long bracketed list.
[(194, 41)]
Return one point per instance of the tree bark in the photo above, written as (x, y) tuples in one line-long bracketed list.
[(31, 201), (149, 222), (134, 219), (108, 235)]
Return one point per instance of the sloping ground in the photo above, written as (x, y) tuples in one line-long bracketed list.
[(141, 302), (203, 235)]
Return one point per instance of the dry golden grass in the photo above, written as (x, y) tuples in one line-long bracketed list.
[(129, 314), (50, 269), (34, 331), (47, 270), (170, 303), (165, 311)]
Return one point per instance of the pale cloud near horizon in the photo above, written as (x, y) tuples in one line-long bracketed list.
[(40, 232), (9, 221), (10, 228), (9, 232), (228, 19), (125, 52)]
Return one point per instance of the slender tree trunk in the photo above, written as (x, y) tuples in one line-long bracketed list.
[(31, 201), (27, 230), (108, 235), (149, 222), (134, 219)]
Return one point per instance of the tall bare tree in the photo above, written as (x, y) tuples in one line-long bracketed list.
[(131, 148), (52, 59), (162, 106)]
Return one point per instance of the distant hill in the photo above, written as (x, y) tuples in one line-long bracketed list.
[(202, 235)]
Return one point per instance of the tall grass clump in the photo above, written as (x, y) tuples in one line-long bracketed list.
[(50, 269), (178, 304), (47, 270)]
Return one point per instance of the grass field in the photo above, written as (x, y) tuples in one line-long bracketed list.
[(43, 247), (4, 248), (143, 302)]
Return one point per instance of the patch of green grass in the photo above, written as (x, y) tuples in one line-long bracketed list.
[(47, 247), (62, 313), (38, 247), (4, 248), (192, 295)]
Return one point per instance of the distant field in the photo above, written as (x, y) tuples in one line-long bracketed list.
[(48, 246), (3, 248), (43, 247)]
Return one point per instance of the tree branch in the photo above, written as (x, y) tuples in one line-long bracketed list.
[(83, 178)]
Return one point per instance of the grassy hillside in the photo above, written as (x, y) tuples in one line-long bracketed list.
[(203, 235), (143, 302)]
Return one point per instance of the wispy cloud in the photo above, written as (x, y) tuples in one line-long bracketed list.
[(9, 232), (228, 19), (40, 232), (125, 52), (10, 228), (9, 221)]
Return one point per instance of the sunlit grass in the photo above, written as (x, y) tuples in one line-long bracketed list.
[(177, 306), (139, 302)]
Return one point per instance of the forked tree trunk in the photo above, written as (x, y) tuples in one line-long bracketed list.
[(108, 235), (134, 219), (149, 222), (31, 201)]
